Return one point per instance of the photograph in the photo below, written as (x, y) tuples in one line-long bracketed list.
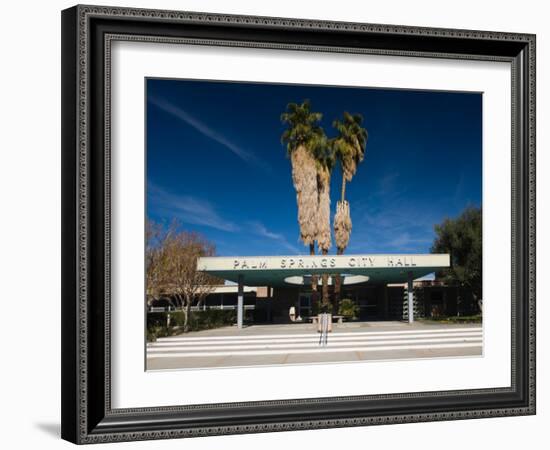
[(292, 224)]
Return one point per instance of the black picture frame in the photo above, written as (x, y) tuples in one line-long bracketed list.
[(87, 416)]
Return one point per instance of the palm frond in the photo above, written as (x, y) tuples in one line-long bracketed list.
[(350, 143)]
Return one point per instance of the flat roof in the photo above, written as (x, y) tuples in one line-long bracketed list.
[(284, 270), (231, 289)]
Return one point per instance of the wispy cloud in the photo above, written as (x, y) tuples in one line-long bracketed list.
[(386, 220), (205, 130), (187, 208), (392, 226), (387, 182), (259, 229), (405, 240)]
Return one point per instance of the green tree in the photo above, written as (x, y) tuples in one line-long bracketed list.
[(461, 238)]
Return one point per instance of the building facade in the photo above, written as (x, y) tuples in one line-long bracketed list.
[(384, 287), (431, 299)]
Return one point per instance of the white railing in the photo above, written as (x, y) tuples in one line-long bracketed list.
[(228, 307), (156, 309)]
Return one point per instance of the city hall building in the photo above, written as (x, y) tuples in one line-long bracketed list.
[(384, 287)]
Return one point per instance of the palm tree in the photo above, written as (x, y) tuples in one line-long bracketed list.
[(303, 137), (349, 148), (325, 162)]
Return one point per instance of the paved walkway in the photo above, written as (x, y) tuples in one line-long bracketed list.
[(299, 344)]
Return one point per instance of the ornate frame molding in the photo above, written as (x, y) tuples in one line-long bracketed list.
[(83, 421)]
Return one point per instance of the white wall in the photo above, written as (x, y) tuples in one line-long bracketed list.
[(30, 225)]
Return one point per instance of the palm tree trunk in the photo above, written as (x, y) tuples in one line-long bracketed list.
[(326, 301), (343, 187), (338, 282), (314, 279)]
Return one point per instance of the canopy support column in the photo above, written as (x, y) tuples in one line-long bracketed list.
[(410, 296), (240, 302)]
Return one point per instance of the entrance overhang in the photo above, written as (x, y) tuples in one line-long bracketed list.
[(276, 270)]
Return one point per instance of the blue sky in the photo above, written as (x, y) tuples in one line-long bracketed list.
[(215, 163)]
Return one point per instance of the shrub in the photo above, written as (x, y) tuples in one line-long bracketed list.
[(198, 320), (211, 318), (151, 335), (177, 318), (348, 308), (156, 319), (156, 331)]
